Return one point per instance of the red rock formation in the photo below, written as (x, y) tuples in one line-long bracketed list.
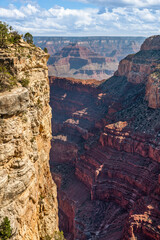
[(151, 43), (152, 90), (109, 184), (144, 67)]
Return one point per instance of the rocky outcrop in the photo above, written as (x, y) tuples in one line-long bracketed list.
[(15, 101), (81, 63), (143, 67), (28, 196), (117, 165), (153, 90), (151, 43)]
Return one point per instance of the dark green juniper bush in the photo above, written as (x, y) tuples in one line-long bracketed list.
[(28, 38), (45, 50), (5, 229)]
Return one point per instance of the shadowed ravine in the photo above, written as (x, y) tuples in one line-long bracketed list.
[(105, 155)]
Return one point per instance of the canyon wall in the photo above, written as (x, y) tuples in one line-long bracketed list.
[(108, 186), (28, 195)]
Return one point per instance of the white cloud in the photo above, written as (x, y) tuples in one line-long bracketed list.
[(29, 9), (88, 21), (145, 14), (11, 13)]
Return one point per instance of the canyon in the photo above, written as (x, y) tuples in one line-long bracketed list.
[(79, 62), (28, 195), (105, 147), (117, 47), (105, 155), (87, 57)]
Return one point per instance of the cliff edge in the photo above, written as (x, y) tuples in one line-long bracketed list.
[(28, 196)]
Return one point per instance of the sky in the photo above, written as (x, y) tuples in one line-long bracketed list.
[(82, 17)]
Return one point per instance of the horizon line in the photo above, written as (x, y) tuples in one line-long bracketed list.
[(90, 36)]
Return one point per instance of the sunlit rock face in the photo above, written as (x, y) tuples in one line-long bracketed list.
[(28, 195), (108, 185)]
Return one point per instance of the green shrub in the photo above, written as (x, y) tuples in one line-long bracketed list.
[(5, 229), (14, 37), (24, 82), (58, 235), (7, 35), (28, 38), (45, 50), (4, 33), (7, 81), (48, 237)]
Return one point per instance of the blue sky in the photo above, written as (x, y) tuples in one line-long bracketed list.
[(83, 17)]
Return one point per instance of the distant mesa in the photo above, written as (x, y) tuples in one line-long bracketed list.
[(102, 61), (81, 63)]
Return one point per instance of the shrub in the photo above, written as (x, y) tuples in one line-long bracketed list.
[(45, 50), (4, 32), (48, 237), (14, 37), (58, 235), (7, 35), (5, 229), (24, 82), (28, 38), (7, 81)]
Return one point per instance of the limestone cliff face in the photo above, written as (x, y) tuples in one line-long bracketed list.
[(28, 196)]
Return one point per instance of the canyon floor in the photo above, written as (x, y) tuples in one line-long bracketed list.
[(105, 156)]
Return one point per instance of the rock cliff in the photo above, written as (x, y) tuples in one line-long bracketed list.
[(108, 186), (144, 67), (28, 196)]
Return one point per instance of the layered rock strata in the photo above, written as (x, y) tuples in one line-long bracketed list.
[(28, 196), (81, 63), (116, 47), (109, 188)]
